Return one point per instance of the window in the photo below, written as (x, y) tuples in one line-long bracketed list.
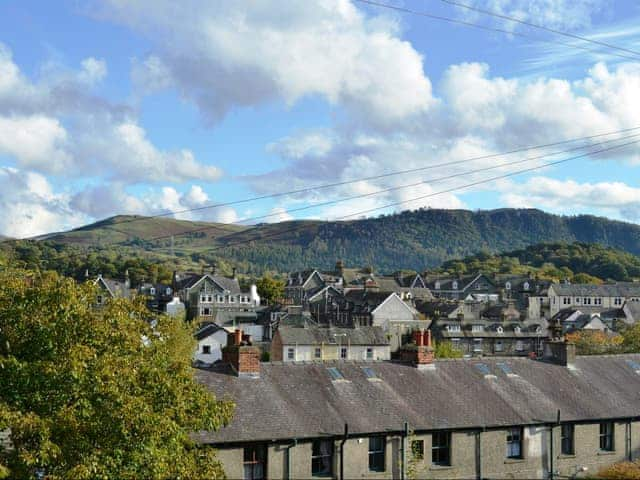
[(369, 353), (441, 448), (454, 285), (206, 349), (99, 299), (376, 454), (514, 443), (566, 301), (500, 330), (517, 329), (232, 299), (152, 291), (606, 436), (220, 298), (453, 328), (507, 286), (318, 352), (254, 462), (417, 449), (291, 353), (617, 301), (597, 301), (519, 346), (526, 285), (577, 299), (587, 301), (566, 439), (477, 344), (206, 311), (322, 458), (477, 328), (437, 285), (499, 347), (343, 353)]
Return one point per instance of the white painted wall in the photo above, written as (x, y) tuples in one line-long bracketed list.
[(215, 341), (332, 352)]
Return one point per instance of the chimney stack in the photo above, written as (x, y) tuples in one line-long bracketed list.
[(420, 352), (560, 352), (235, 271), (242, 355)]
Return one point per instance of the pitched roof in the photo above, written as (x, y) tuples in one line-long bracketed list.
[(621, 289), (116, 288), (291, 400), (313, 335), (207, 330)]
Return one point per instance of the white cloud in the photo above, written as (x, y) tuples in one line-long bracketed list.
[(558, 14), (233, 54), (58, 126), (568, 196)]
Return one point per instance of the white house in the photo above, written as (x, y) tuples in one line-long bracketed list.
[(592, 297), (211, 339)]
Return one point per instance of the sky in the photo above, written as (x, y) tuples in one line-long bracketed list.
[(151, 106)]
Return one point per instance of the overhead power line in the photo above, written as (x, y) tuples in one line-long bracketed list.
[(364, 179), (441, 192), (489, 29), (538, 26), (401, 187)]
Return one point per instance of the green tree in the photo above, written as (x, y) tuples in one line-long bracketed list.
[(445, 349), (103, 394), (270, 289)]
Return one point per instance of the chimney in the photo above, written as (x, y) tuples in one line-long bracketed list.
[(339, 268), (560, 352), (235, 271), (420, 352), (242, 355)]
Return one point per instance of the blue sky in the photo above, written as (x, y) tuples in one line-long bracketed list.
[(110, 106)]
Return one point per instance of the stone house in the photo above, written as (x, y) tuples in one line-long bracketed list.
[(109, 288), (565, 417), (596, 297), (296, 344)]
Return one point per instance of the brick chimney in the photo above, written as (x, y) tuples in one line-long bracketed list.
[(242, 355), (420, 352)]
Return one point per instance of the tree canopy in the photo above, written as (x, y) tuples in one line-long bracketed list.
[(91, 394)]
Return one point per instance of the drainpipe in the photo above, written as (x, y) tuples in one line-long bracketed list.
[(403, 451), (551, 472), (479, 453), (295, 443), (630, 453), (344, 440)]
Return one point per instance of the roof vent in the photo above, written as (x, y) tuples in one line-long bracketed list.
[(634, 365), (483, 368), (335, 374)]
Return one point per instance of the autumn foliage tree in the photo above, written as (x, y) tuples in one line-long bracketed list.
[(594, 342), (89, 394), (621, 471)]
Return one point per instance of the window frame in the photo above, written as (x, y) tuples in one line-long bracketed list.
[(369, 353), (567, 439), (607, 437), (291, 353), (344, 353), (441, 449), (258, 458), (318, 456), (206, 349), (377, 452), (515, 437), (317, 353)]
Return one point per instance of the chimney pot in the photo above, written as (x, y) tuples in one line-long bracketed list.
[(241, 355)]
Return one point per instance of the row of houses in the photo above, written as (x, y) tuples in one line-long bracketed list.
[(559, 416)]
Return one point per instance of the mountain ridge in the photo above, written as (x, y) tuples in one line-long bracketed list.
[(415, 239)]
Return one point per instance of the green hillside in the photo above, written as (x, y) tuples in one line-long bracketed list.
[(579, 262), (410, 240)]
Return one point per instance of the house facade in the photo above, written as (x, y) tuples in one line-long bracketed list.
[(597, 297), (442, 419), (314, 343)]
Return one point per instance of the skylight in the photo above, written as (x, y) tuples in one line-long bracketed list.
[(506, 368), (369, 372), (482, 368), (635, 365), (335, 373)]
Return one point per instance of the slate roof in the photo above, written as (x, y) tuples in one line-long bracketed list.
[(634, 310), (621, 289), (208, 329), (116, 288), (316, 335), (367, 297), (299, 400), (437, 309)]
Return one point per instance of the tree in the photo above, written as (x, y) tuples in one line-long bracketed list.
[(595, 342), (445, 349), (90, 394), (270, 289)]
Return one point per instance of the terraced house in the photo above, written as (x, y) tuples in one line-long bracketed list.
[(564, 417)]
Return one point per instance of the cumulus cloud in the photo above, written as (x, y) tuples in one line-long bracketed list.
[(58, 126), (235, 54), (568, 196)]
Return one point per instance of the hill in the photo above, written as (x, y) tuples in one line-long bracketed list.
[(578, 262), (415, 240)]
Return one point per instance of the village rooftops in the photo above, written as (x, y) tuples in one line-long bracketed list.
[(307, 400)]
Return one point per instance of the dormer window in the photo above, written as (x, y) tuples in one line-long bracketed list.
[(168, 291), (455, 285), (477, 328), (437, 285), (152, 291), (538, 329), (500, 330), (516, 329), (526, 285), (507, 286), (453, 328)]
